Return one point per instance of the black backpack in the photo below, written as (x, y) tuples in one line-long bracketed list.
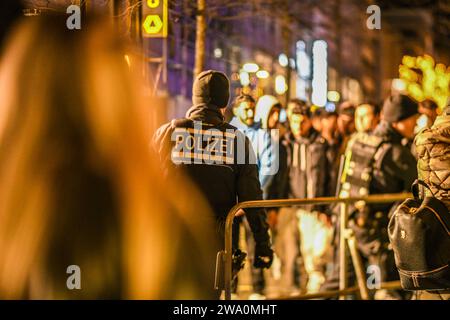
[(419, 232)]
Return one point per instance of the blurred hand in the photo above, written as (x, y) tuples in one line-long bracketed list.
[(263, 256)]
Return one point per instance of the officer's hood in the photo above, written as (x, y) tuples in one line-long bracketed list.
[(211, 88), (210, 93), (263, 107)]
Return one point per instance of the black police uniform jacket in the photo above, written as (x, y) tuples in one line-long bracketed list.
[(220, 161)]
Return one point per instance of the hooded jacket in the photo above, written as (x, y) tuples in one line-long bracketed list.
[(433, 150), (265, 143), (308, 167), (216, 157), (264, 105)]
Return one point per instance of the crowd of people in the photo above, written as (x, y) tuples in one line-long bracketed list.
[(352, 151), (80, 185)]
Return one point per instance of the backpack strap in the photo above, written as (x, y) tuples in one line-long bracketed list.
[(415, 189)]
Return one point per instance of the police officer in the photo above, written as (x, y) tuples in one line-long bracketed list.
[(218, 158), (380, 163)]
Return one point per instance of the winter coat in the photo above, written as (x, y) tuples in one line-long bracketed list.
[(433, 150), (308, 167), (265, 147), (233, 179)]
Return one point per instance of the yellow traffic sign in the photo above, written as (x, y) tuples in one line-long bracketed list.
[(152, 24), (153, 3), (155, 18)]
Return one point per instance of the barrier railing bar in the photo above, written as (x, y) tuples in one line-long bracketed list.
[(391, 285), (379, 198)]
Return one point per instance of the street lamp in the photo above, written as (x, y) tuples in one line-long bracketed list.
[(283, 60), (262, 74), (280, 85), (244, 78), (250, 67)]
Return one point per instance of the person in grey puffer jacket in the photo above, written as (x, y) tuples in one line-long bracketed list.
[(433, 149)]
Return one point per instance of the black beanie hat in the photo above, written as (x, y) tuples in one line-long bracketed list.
[(399, 107), (211, 87)]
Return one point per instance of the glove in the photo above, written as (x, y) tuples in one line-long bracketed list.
[(238, 261), (263, 256)]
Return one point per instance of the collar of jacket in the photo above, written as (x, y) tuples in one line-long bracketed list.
[(385, 130), (438, 133), (206, 113), (442, 120)]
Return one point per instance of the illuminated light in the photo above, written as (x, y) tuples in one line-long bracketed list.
[(398, 85), (127, 59), (152, 24), (283, 60), (245, 78), (246, 90), (330, 107), (407, 74), (154, 17), (303, 69), (421, 123), (425, 62), (409, 61), (218, 53), (440, 68), (250, 67), (333, 96), (320, 69), (442, 82), (234, 76), (280, 85), (429, 59), (259, 92), (434, 82), (301, 89), (153, 3), (292, 63), (303, 61), (416, 92), (262, 74)]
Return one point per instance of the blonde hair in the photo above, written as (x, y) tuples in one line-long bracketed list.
[(78, 183)]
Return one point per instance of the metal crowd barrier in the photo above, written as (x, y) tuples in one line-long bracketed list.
[(345, 236)]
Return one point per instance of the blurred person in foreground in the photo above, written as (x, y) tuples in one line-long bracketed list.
[(78, 184), (10, 12)]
